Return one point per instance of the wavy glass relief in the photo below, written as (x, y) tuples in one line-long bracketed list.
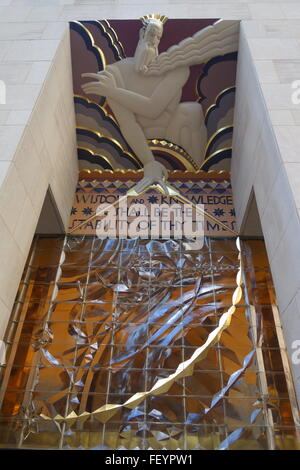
[(96, 322)]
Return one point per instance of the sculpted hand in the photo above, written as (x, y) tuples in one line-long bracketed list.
[(154, 172), (103, 86)]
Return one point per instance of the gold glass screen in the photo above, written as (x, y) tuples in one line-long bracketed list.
[(96, 321)]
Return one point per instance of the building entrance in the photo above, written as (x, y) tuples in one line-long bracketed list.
[(97, 321)]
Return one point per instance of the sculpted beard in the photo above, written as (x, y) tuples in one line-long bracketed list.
[(145, 53)]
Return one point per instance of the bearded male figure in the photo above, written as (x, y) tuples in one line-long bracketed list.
[(144, 92)]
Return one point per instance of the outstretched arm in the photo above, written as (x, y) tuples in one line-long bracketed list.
[(149, 107), (218, 39)]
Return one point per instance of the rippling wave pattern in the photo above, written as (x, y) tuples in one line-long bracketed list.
[(98, 321)]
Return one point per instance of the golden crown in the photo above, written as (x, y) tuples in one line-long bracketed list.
[(154, 16)]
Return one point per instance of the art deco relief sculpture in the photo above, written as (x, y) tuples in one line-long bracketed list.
[(144, 92)]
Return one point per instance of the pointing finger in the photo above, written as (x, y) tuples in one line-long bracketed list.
[(90, 84), (90, 89), (90, 75), (93, 91)]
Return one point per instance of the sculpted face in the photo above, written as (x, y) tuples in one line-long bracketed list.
[(153, 33)]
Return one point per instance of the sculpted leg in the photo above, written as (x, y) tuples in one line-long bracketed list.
[(154, 172), (187, 129), (132, 132)]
